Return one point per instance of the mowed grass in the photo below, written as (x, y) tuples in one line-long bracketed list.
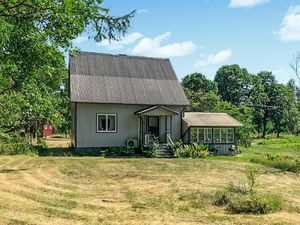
[(91, 190)]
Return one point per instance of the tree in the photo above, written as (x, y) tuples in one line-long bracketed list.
[(258, 100), (207, 102), (63, 20), (198, 83), (234, 84), (285, 116), (32, 66), (295, 64), (244, 115), (201, 92), (268, 82)]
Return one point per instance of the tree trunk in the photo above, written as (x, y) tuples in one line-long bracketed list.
[(264, 128)]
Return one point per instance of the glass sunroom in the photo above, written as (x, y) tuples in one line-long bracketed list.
[(218, 130)]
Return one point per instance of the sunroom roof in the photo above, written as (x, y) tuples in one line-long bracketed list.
[(197, 119)]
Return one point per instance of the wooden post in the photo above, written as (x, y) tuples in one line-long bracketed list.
[(171, 127)]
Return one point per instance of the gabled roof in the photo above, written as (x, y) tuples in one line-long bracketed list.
[(157, 111), (122, 79), (196, 119)]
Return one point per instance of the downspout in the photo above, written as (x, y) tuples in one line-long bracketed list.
[(181, 121)]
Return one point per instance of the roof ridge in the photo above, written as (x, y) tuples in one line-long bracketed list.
[(124, 55)]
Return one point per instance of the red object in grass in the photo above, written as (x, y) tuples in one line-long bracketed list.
[(47, 130)]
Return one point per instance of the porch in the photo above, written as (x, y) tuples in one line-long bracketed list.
[(156, 121), (217, 130)]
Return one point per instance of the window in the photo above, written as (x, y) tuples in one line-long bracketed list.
[(230, 135), (106, 123), (217, 135), (201, 135), (225, 135)]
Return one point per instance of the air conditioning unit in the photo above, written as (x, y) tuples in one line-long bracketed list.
[(132, 143)]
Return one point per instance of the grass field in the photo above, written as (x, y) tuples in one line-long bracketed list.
[(91, 190)]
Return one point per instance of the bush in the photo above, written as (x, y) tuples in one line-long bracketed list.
[(121, 151), (284, 163), (238, 199), (16, 146), (192, 151), (174, 146), (153, 147)]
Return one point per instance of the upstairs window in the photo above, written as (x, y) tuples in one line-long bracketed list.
[(106, 123)]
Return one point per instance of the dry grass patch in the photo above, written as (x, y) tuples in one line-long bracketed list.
[(58, 190)]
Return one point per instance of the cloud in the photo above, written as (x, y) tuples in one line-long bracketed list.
[(140, 11), (152, 47), (80, 39), (246, 3), (290, 26), (214, 59), (128, 39)]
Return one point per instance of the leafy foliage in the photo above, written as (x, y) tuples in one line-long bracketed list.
[(61, 21), (33, 74), (244, 115), (237, 199), (233, 84), (192, 151), (197, 82), (284, 163)]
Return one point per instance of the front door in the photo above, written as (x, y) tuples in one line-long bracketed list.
[(153, 125)]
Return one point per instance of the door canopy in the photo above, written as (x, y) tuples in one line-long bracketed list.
[(156, 111)]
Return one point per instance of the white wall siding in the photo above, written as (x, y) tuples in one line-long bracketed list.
[(127, 124)]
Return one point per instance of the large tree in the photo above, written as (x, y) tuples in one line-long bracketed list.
[(198, 83), (33, 74), (258, 99), (285, 115), (234, 84), (60, 21)]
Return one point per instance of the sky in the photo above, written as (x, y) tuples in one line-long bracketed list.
[(203, 35)]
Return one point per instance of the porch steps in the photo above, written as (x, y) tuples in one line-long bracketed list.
[(164, 152)]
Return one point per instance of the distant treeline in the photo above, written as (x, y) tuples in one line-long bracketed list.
[(259, 101)]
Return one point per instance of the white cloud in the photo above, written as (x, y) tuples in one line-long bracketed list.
[(80, 39), (140, 11), (246, 3), (152, 47), (290, 26), (214, 59), (128, 39)]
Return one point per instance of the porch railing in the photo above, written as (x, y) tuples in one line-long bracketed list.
[(169, 138)]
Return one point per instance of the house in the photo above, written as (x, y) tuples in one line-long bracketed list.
[(119, 100)]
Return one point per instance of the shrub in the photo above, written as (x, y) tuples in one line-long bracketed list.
[(242, 201), (237, 199), (175, 146), (121, 151), (16, 146), (192, 151), (284, 163), (153, 146)]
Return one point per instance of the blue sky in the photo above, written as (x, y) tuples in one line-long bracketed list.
[(203, 35)]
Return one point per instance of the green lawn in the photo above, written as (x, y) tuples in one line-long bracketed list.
[(95, 190)]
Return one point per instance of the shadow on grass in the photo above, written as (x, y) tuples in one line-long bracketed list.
[(55, 152), (11, 170), (67, 152)]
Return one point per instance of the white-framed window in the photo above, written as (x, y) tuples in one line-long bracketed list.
[(223, 135), (201, 135), (106, 123)]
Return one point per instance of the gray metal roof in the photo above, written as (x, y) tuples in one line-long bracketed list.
[(196, 119), (122, 79)]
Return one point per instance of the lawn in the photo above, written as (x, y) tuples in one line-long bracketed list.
[(95, 190)]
